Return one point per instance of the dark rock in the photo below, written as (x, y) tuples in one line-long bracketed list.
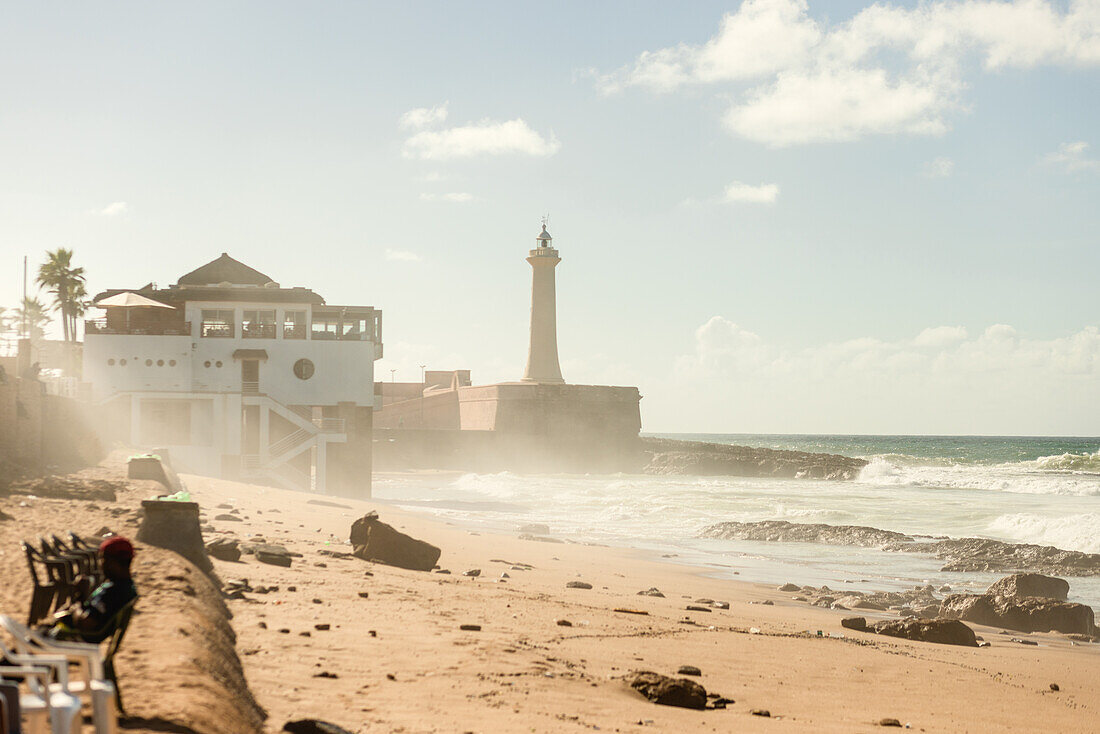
[(325, 674), (225, 517), (535, 528), (1030, 584), (273, 555), (855, 623), (652, 591), (669, 456), (313, 726), (224, 549), (470, 627), (688, 670), (364, 594), (667, 691), (790, 587), (1023, 614), (889, 722), (564, 623), (374, 540), (697, 608), (578, 585), (321, 627), (761, 712), (1054, 687), (473, 572), (943, 631)]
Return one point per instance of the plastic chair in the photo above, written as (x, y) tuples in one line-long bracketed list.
[(43, 703), (45, 591), (95, 685), (9, 708)]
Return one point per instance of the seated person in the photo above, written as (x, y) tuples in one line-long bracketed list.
[(90, 620)]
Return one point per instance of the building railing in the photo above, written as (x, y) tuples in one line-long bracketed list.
[(258, 331), (99, 326), (250, 386), (330, 425)]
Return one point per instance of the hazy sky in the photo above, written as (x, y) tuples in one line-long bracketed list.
[(773, 216)]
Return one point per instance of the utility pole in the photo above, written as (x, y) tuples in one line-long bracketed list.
[(23, 331), (423, 386)]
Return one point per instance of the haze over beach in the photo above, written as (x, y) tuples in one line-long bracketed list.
[(617, 366)]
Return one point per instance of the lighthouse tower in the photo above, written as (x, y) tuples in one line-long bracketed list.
[(542, 355)]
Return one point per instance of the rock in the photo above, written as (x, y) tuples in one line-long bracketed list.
[(540, 538), (889, 722), (313, 726), (224, 549), (374, 540), (761, 712), (855, 623), (273, 555), (670, 456), (652, 591), (1054, 687), (472, 573), (697, 608), (322, 627), (688, 670), (578, 585), (858, 602), (943, 631), (929, 612), (667, 691), (790, 587), (325, 674), (364, 594), (564, 623), (1024, 642), (785, 531), (470, 627), (327, 503), (1023, 614), (1030, 584), (226, 517), (535, 528)]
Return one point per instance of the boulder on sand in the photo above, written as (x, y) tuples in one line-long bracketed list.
[(668, 691), (374, 540), (313, 726), (1030, 584), (943, 631), (1023, 614), (224, 549)]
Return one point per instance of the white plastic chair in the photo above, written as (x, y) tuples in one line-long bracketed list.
[(57, 711), (93, 684)]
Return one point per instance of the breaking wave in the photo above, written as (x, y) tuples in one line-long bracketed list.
[(1070, 462), (1073, 532), (1058, 475)]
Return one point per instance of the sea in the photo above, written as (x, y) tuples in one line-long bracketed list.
[(1043, 490)]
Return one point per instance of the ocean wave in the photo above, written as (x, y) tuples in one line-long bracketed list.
[(1070, 462), (1022, 478), (1073, 532)]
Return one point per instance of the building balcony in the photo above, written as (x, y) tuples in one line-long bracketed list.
[(145, 328)]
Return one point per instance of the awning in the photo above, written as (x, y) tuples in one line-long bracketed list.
[(130, 300), (250, 354)]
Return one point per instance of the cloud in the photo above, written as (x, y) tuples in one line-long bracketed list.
[(742, 193), (402, 256), (458, 197), (431, 177), (887, 70), (943, 379), (423, 117), (939, 168), (114, 209), (1072, 157), (481, 138)]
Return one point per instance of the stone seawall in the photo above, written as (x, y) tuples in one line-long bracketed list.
[(40, 432)]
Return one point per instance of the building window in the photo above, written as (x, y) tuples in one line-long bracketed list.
[(303, 369), (217, 323), (326, 325), (294, 325), (258, 324), (148, 363)]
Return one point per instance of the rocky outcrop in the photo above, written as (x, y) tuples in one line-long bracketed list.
[(374, 540), (1023, 614), (789, 532), (668, 691), (1030, 584), (667, 456), (943, 631)]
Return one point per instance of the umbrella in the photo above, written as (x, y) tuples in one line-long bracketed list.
[(128, 300)]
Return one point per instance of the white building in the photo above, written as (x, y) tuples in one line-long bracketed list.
[(238, 377)]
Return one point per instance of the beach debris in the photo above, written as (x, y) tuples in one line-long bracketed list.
[(470, 627), (761, 712), (318, 601), (535, 528), (313, 726), (697, 608), (790, 587), (364, 594), (325, 674), (305, 634), (943, 631), (666, 691), (273, 555), (472, 573), (374, 540), (889, 722), (1055, 687), (625, 610), (1021, 613), (1024, 642), (1030, 584), (443, 571), (224, 549), (322, 627), (564, 623), (688, 670), (578, 585), (652, 591), (226, 517), (284, 631)]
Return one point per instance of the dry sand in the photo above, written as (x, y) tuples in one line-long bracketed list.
[(401, 663)]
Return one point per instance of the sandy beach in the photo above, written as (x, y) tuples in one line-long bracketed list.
[(376, 648)]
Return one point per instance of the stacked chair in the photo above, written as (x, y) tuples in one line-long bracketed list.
[(57, 675)]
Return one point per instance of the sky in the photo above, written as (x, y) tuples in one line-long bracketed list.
[(773, 216)]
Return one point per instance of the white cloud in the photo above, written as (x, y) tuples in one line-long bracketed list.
[(943, 379), (1073, 157), (482, 138), (431, 177), (887, 70), (423, 117), (402, 256), (742, 193), (458, 197), (114, 209), (939, 168)]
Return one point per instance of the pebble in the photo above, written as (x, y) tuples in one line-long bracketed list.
[(1025, 642), (372, 633), (263, 625), (364, 594), (321, 627), (304, 634), (1054, 687), (696, 608), (578, 585), (443, 571), (318, 601), (889, 722), (688, 670), (564, 623), (472, 573), (284, 631), (292, 588), (761, 712), (325, 674), (652, 591), (470, 627)]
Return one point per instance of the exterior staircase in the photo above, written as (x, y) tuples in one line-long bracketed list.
[(272, 461)]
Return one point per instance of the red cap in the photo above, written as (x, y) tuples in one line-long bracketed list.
[(117, 546)]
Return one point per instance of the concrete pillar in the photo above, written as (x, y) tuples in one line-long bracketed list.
[(321, 473), (265, 434), (542, 355), (135, 420)]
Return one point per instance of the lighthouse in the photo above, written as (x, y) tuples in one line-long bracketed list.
[(542, 354)]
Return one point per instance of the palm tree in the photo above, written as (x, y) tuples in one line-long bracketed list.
[(66, 284), (33, 317)]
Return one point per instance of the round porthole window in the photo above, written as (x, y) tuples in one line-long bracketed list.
[(111, 362), (218, 363), (171, 363), (160, 363), (148, 363), (122, 362), (303, 369), (206, 363)]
